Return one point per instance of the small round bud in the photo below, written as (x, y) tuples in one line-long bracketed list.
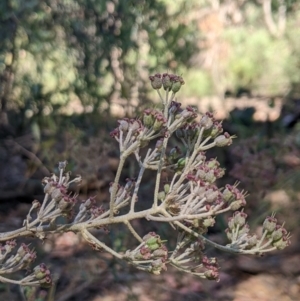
[(281, 244), (129, 184), (211, 195), (148, 118), (180, 164), (223, 140), (161, 196), (270, 224), (240, 218), (227, 193), (149, 235), (48, 188), (159, 144), (236, 205), (217, 129), (206, 122), (161, 252), (156, 81), (278, 233), (159, 121), (177, 83), (211, 274), (200, 157), (166, 81), (252, 241), (167, 188), (209, 222)]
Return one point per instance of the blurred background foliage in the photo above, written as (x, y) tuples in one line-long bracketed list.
[(76, 56)]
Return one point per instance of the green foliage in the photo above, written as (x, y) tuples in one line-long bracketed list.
[(254, 61), (83, 50), (200, 84)]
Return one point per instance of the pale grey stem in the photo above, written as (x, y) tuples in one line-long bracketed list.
[(115, 186), (201, 275), (121, 146), (128, 136), (206, 147), (19, 282), (49, 207), (262, 238), (136, 189), (173, 180), (183, 261), (161, 98), (158, 175), (43, 205), (206, 240), (91, 238), (60, 176), (133, 232)]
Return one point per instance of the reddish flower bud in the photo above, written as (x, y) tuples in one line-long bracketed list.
[(252, 241), (270, 224), (156, 81), (206, 122), (282, 243), (177, 83), (223, 140), (166, 81), (239, 218)]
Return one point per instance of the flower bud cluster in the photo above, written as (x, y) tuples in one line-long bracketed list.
[(10, 263), (209, 171), (43, 274), (62, 202), (238, 229), (192, 258), (151, 255), (234, 197), (278, 235), (200, 194), (188, 132), (128, 131), (211, 268), (188, 114), (57, 189), (275, 234), (123, 193), (175, 108), (58, 192), (88, 210), (211, 126), (154, 119), (170, 82), (20, 260), (203, 198)]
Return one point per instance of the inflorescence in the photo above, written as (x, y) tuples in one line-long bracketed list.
[(189, 201)]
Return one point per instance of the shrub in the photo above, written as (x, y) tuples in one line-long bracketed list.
[(189, 202)]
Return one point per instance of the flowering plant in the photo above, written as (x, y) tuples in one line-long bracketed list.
[(189, 202)]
